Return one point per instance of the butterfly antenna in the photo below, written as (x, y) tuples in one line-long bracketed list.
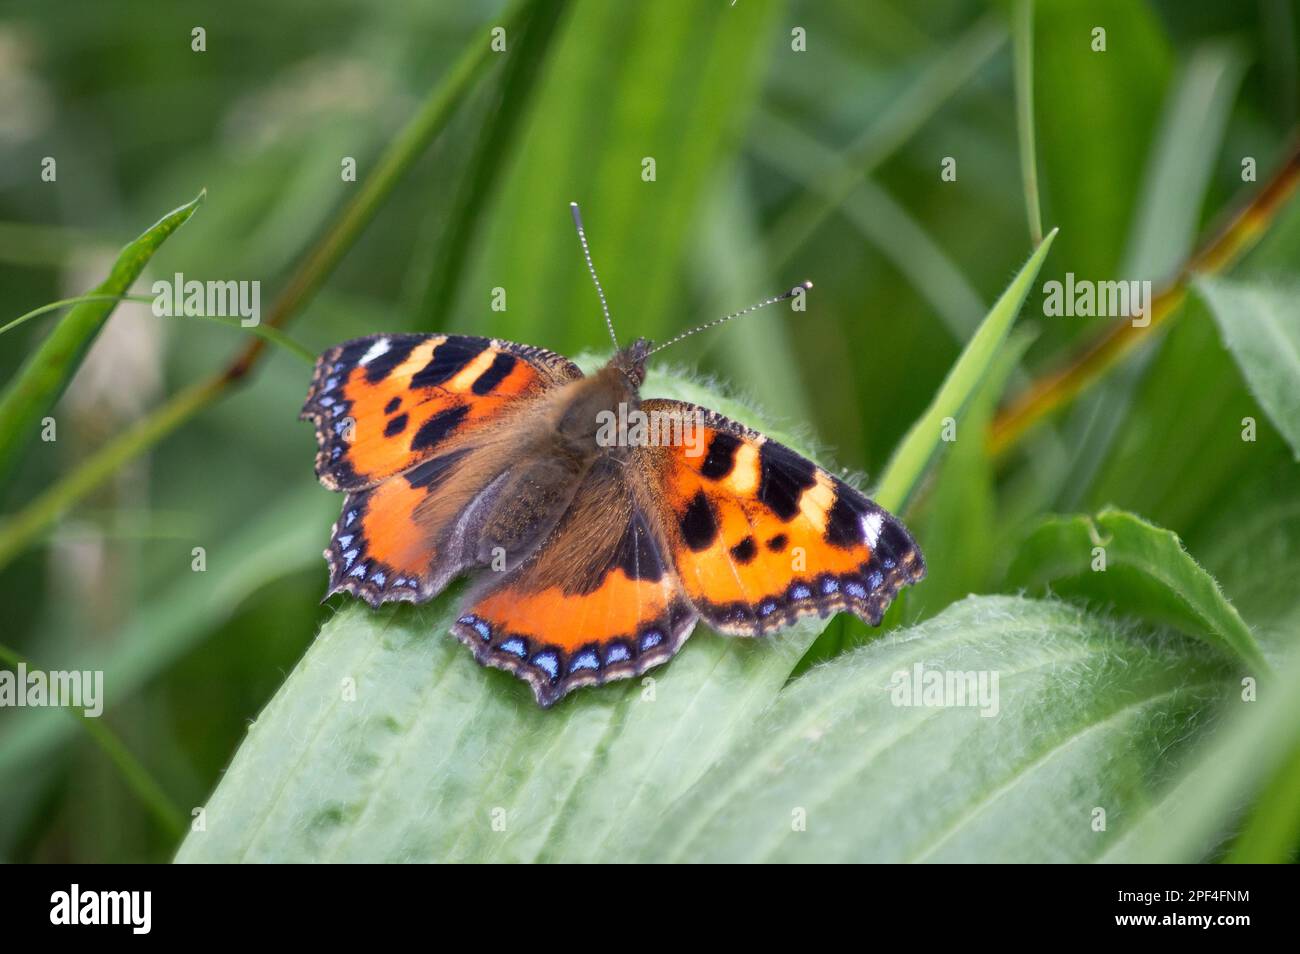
[(801, 287), (586, 253)]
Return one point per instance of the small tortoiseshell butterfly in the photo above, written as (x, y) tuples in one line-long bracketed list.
[(593, 557)]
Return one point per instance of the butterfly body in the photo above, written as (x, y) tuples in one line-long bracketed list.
[(593, 550)]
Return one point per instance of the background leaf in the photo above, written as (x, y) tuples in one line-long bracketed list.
[(45, 374), (1191, 820), (1261, 327), (1084, 705), (1147, 574)]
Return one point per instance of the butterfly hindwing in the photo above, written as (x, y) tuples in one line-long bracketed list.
[(383, 548), (385, 403), (761, 536), (598, 601)]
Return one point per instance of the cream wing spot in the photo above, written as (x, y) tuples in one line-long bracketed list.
[(418, 358), (815, 503), (467, 375), (744, 476)]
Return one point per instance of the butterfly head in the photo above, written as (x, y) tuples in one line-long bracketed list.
[(631, 361)]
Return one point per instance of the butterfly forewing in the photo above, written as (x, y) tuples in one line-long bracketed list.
[(385, 403), (761, 536)]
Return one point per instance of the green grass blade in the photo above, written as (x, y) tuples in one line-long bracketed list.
[(136, 776), (67, 302), (961, 528), (532, 43), (18, 531), (47, 372), (948, 71), (922, 442), (267, 333), (283, 538), (1089, 181), (1175, 183), (1022, 32), (273, 335), (877, 216), (410, 144), (641, 229)]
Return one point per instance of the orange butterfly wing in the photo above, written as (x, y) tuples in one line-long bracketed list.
[(385, 403), (598, 601), (761, 536), (396, 417)]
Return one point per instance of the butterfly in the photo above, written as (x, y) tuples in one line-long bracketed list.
[(598, 526)]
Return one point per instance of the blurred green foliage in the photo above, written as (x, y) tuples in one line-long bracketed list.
[(771, 166)]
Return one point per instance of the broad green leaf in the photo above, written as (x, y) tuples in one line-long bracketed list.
[(50, 367), (1254, 750), (434, 753), (437, 753), (1260, 324), (1089, 714), (926, 436), (1145, 573)]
